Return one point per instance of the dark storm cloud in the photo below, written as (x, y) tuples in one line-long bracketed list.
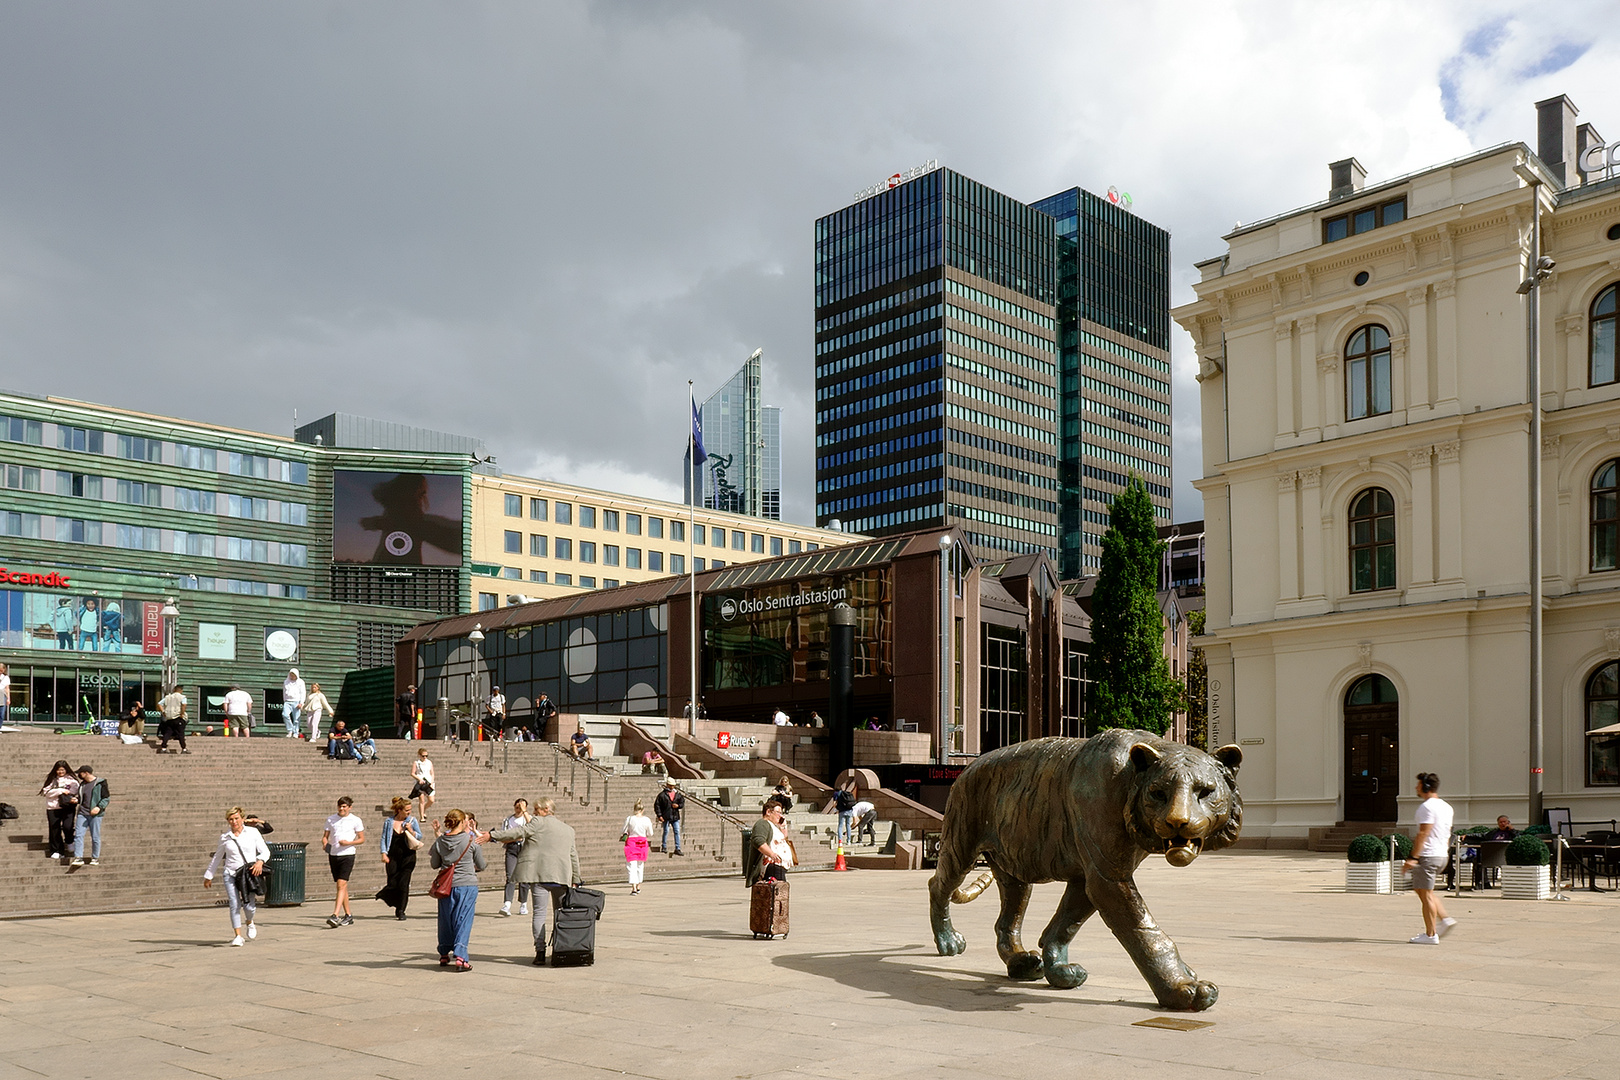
[(535, 222)]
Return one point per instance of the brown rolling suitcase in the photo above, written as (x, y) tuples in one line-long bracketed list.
[(768, 909)]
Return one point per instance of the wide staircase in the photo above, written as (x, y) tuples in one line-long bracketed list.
[(167, 813)]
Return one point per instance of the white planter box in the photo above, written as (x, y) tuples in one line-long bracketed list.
[(1526, 883), (1371, 877)]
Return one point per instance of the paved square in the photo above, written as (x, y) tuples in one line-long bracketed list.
[(1314, 983)]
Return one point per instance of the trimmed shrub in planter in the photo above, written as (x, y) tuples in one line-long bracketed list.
[(1367, 868), (1525, 876)]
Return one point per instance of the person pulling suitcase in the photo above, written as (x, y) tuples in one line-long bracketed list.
[(548, 862), (767, 857)]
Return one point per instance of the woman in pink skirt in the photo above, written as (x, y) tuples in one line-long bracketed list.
[(638, 830)]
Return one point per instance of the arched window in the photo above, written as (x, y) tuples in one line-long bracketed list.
[(1372, 541), (1366, 373), (1606, 516), (1371, 690), (1603, 726), (1605, 310)]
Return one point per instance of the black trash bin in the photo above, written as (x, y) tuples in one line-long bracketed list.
[(286, 875)]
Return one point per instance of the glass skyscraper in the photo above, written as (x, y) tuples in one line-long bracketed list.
[(937, 365), (743, 470), (1113, 314)]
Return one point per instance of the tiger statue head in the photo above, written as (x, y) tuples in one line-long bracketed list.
[(1181, 801)]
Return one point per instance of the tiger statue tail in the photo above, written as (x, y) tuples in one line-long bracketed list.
[(970, 891)]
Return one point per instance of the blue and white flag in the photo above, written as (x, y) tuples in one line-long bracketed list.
[(698, 453)]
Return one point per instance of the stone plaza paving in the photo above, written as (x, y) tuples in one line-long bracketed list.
[(1314, 983)]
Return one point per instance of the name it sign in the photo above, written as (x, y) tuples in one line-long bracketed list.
[(898, 178), (52, 580)]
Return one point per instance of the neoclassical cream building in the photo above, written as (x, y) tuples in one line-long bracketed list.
[(1366, 427)]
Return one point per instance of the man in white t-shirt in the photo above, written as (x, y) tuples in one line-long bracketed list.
[(172, 722), (495, 712), (238, 712), (1428, 860), (863, 816), (344, 832), (781, 719)]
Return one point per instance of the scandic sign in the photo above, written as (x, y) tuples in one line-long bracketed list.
[(53, 580)]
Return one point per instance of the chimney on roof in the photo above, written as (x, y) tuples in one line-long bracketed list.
[(1555, 137), (1587, 137), (1348, 176)]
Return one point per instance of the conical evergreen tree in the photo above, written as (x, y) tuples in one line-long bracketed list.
[(1132, 687)]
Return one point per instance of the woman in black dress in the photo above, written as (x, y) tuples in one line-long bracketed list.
[(399, 855)]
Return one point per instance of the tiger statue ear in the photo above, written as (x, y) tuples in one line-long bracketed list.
[(1230, 756), (1145, 755)]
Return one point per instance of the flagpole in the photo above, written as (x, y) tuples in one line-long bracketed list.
[(694, 481)]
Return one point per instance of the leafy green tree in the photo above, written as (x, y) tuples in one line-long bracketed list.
[(1132, 687), (1197, 686)]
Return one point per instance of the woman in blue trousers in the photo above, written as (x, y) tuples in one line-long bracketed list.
[(457, 846)]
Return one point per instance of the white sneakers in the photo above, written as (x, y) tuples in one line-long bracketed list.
[(1445, 926), (506, 908), (523, 909), (236, 942), (253, 931), (1426, 939)]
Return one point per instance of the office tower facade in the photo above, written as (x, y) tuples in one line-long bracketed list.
[(742, 473), (1113, 315), (937, 366)]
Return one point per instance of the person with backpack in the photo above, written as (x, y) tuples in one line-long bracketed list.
[(844, 802), (94, 795)]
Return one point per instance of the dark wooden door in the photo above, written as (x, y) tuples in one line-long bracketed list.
[(1371, 761)]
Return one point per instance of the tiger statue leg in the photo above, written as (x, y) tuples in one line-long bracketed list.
[(1021, 963), (954, 864), (1073, 910)]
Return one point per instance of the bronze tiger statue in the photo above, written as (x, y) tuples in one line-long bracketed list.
[(1085, 811)]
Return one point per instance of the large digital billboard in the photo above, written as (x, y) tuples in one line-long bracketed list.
[(396, 519)]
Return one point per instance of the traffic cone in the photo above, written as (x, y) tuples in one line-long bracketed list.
[(840, 864)]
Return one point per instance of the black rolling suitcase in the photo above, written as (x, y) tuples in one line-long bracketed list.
[(573, 940)]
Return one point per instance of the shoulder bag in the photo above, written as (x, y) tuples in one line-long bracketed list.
[(248, 884), (411, 840), (440, 889)]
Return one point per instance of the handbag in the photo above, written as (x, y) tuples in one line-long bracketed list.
[(248, 884), (440, 889), (411, 839)]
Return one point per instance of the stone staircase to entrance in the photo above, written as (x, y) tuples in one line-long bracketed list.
[(168, 810), (1336, 838)]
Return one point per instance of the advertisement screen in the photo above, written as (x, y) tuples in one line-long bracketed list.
[(115, 624), (396, 519)]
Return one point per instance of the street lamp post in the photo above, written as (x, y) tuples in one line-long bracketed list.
[(1540, 270), (171, 654), (476, 679)]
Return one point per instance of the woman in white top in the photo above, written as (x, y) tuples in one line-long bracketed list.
[(422, 790), (638, 830), (239, 847), (316, 706), (516, 820)]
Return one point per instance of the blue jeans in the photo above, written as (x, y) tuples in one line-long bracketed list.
[(541, 894), (846, 820), (663, 839), (238, 904), (456, 919), (291, 715), (91, 824)]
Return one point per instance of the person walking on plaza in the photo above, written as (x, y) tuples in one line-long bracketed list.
[(1428, 858), (668, 807), (172, 721), (452, 847), (518, 818), (344, 832), (238, 712), (401, 836), (239, 846), (638, 830), (495, 713), (548, 861), (293, 693), (315, 707), (61, 792), (94, 795), (422, 781)]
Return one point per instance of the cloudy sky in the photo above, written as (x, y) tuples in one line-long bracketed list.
[(535, 221)]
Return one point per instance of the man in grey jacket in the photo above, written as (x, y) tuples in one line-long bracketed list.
[(548, 862)]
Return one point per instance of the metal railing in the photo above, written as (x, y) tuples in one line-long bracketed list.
[(725, 818), (592, 771)]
